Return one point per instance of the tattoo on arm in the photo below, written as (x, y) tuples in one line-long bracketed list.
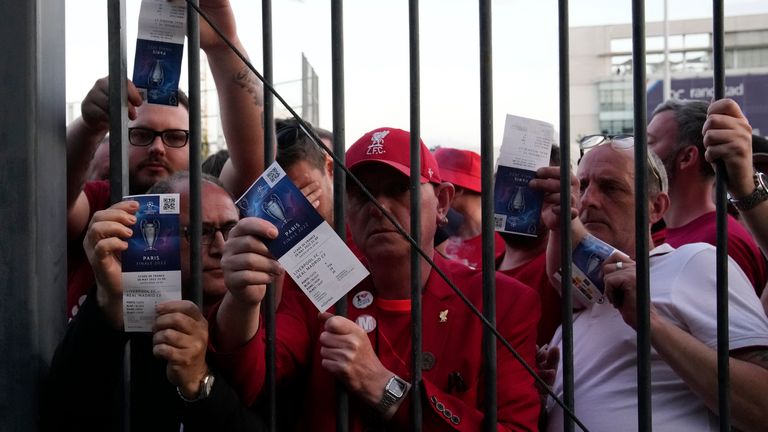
[(248, 81)]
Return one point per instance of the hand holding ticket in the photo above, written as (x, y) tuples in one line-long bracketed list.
[(152, 263), (306, 246)]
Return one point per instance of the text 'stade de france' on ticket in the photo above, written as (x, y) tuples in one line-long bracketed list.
[(526, 147), (159, 48), (307, 247), (152, 262)]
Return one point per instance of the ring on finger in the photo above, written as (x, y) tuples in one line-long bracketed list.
[(619, 265)]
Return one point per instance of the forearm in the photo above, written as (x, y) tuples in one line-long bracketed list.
[(696, 364), (82, 141), (241, 105), (236, 323), (755, 219)]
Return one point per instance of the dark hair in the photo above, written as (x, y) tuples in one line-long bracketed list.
[(215, 162), (183, 99), (293, 145), (690, 116), (171, 183)]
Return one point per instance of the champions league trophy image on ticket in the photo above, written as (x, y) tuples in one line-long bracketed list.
[(149, 230), (517, 203), (273, 206)]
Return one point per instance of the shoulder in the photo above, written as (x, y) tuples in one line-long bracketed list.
[(97, 193)]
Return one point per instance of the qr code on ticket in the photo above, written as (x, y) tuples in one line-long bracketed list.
[(273, 174), (170, 204)]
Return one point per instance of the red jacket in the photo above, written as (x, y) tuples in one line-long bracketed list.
[(452, 390)]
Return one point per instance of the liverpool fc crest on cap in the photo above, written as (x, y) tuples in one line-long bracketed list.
[(377, 142)]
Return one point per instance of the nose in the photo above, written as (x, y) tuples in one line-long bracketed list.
[(156, 147), (217, 245), (590, 197)]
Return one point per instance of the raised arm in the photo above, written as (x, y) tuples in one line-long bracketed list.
[(547, 181), (728, 137), (83, 137), (241, 101)]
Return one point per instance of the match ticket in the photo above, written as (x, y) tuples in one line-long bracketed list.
[(525, 148), (159, 49), (307, 247), (587, 269), (152, 262)]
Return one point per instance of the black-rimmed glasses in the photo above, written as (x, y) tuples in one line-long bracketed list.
[(142, 137), (209, 232)]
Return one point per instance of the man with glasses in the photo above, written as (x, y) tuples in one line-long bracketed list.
[(158, 140), (171, 381), (368, 351), (683, 326), (675, 135)]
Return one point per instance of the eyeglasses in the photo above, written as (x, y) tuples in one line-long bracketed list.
[(619, 142), (209, 232), (142, 137)]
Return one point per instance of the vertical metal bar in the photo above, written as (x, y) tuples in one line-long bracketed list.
[(33, 213), (118, 102), (416, 317), (641, 219), (118, 149), (195, 160), (565, 203), (486, 168), (339, 179), (723, 375), (269, 156)]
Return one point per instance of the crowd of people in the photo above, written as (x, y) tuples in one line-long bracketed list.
[(204, 368)]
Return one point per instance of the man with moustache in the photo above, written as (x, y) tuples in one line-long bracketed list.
[(158, 140)]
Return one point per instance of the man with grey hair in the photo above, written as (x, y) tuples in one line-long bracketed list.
[(683, 325), (675, 135)]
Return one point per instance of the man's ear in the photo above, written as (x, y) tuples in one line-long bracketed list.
[(688, 157), (329, 166), (444, 192), (657, 207)]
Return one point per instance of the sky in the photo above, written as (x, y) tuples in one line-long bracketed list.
[(376, 54)]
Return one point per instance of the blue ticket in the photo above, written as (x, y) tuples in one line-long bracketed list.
[(587, 270), (152, 263), (517, 208), (315, 257), (159, 49)]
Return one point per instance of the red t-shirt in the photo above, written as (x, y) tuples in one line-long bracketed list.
[(470, 251), (741, 247), (452, 377), (534, 274), (79, 272)]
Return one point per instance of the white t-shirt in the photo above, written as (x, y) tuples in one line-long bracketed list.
[(683, 290)]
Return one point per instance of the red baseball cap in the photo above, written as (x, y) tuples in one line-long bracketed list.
[(460, 167), (392, 147)]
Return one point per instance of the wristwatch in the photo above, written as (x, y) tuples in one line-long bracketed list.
[(206, 385), (394, 391), (759, 195)]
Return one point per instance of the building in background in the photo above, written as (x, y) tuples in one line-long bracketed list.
[(601, 70)]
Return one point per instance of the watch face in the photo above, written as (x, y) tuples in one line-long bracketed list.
[(396, 387)]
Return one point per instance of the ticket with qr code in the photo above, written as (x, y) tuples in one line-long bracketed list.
[(526, 147), (159, 49), (315, 257), (151, 266)]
